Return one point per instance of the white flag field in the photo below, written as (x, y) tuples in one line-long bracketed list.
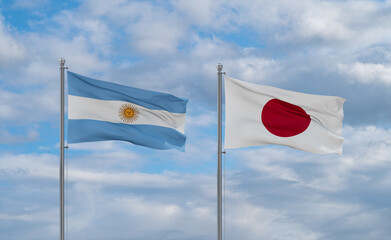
[(262, 115)]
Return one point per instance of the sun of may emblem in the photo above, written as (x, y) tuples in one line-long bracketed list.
[(128, 113)]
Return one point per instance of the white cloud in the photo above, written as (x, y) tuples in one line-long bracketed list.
[(76, 51), (29, 4), (21, 109), (44, 216), (204, 14), (151, 29), (351, 24), (8, 138), (368, 73), (368, 146), (29, 166), (95, 31), (323, 21), (210, 15), (43, 166), (11, 50), (156, 34)]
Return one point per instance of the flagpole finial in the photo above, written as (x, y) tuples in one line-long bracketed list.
[(62, 61), (219, 67)]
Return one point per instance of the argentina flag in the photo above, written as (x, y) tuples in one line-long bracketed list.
[(100, 111)]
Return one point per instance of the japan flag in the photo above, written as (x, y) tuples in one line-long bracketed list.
[(261, 115)]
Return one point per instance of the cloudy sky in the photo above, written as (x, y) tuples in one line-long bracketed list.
[(118, 191)]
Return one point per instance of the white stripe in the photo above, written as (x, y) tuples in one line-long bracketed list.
[(108, 111)]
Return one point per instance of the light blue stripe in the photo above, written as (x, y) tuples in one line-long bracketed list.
[(143, 135), (87, 87)]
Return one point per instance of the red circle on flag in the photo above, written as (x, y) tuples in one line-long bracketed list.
[(284, 119)]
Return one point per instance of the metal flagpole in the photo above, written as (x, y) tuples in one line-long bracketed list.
[(219, 151), (62, 68)]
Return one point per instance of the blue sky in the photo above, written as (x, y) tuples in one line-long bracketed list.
[(120, 191)]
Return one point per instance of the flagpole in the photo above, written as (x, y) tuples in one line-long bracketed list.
[(62, 68), (219, 152)]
